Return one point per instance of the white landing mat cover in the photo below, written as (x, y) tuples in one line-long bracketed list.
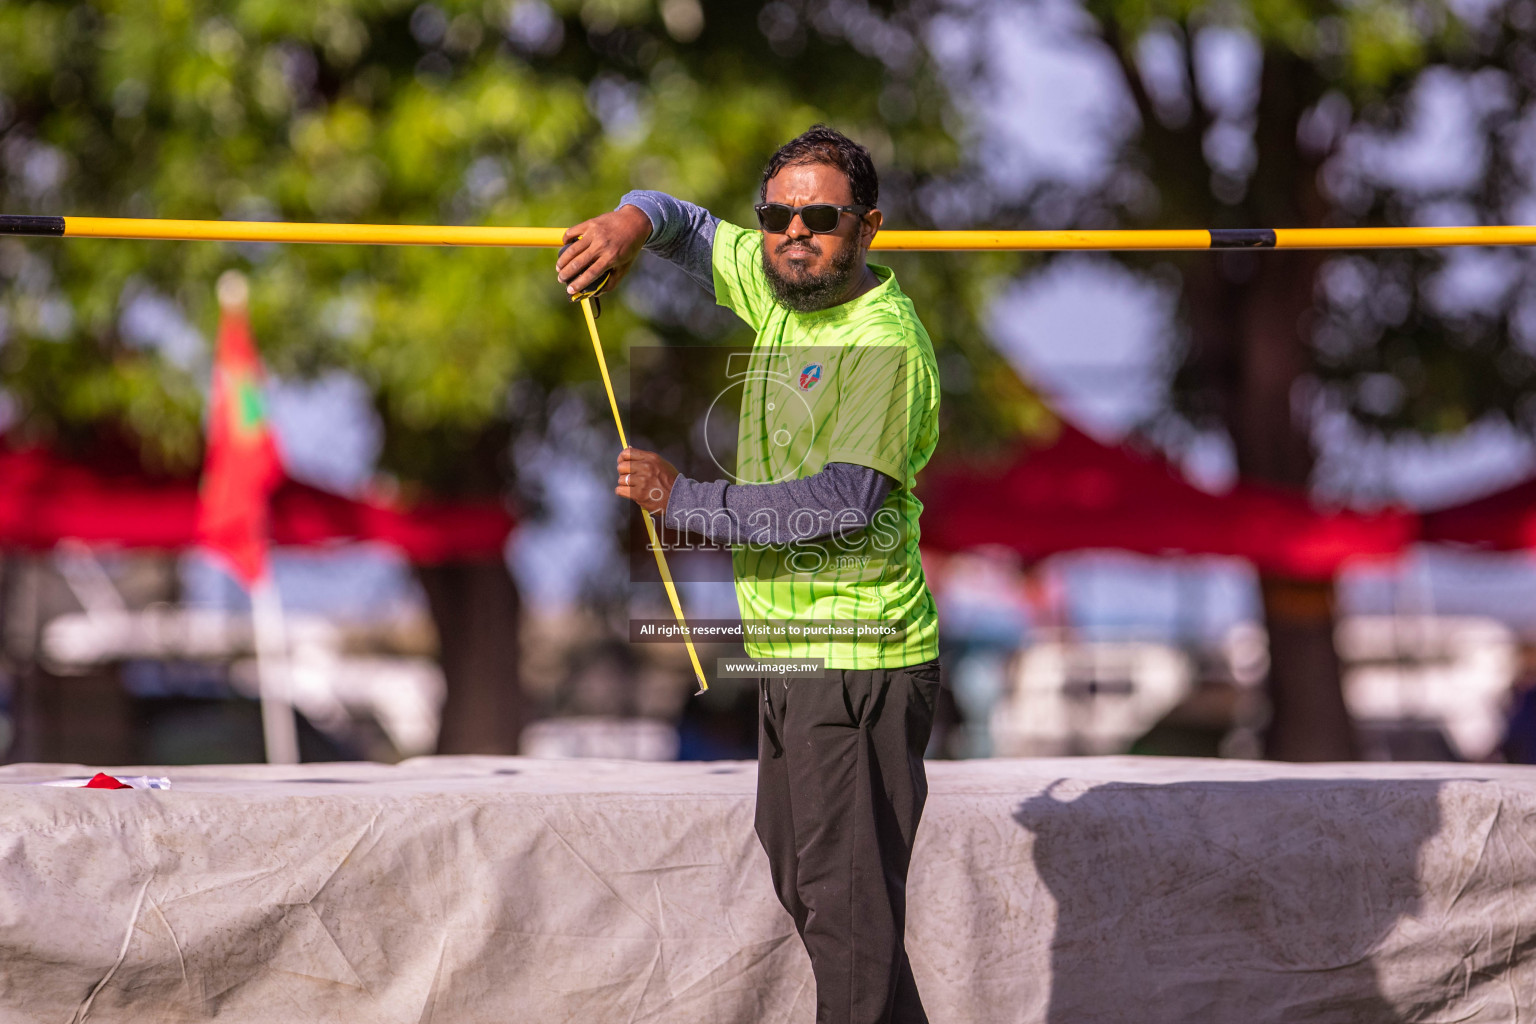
[(463, 890)]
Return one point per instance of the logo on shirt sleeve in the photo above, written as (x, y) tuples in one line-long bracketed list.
[(809, 376)]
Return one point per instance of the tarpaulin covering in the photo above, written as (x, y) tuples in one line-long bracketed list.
[(1068, 492), (1502, 521), (501, 889), (45, 498)]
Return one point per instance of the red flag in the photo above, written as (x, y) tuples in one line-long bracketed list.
[(242, 466)]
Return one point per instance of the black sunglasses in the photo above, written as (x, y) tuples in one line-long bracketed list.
[(820, 218)]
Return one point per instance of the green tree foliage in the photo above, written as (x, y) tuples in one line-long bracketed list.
[(1269, 342), (1271, 345), (513, 112)]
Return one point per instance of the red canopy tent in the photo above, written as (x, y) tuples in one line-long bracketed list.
[(45, 498), (1070, 492), (1502, 521)]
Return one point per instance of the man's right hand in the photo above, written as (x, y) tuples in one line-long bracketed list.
[(610, 242)]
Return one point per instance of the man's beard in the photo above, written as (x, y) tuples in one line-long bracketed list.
[(810, 292)]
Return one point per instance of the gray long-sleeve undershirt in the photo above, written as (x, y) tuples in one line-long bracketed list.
[(840, 499), (681, 233)]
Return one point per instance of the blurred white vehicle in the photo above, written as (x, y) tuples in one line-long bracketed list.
[(1445, 673), (630, 739), (1087, 697)]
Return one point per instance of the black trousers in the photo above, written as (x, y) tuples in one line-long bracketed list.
[(840, 788)]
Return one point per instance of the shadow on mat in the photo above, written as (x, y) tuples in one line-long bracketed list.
[(1217, 903)]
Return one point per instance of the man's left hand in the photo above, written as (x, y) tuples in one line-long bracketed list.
[(645, 478)]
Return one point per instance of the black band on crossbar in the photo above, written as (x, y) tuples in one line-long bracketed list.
[(13, 225), (1242, 238)]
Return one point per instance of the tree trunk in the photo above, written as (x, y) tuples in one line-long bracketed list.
[(1271, 429), (87, 717), (1250, 348), (476, 609), (1308, 719), (1248, 314)]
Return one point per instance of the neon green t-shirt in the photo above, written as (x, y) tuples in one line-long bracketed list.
[(856, 383)]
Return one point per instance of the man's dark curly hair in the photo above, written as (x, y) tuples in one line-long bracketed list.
[(819, 144)]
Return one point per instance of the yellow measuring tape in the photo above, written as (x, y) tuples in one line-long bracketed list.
[(587, 298)]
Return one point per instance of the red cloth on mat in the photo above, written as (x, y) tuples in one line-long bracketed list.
[(101, 780)]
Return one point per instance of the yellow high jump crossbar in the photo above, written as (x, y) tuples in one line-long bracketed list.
[(890, 241)]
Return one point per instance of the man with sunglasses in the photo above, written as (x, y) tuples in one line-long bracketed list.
[(827, 456)]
